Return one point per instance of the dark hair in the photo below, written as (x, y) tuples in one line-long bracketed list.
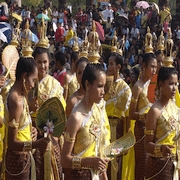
[(40, 50), (117, 57), (90, 73), (165, 73), (148, 57), (158, 52), (82, 59), (60, 57), (74, 56), (25, 65), (136, 71)]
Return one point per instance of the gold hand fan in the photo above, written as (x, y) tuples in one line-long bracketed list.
[(51, 117), (10, 57), (120, 145)]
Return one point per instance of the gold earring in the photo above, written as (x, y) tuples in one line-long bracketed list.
[(87, 97), (160, 92), (24, 84)]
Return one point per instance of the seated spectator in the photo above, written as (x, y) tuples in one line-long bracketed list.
[(107, 25), (135, 32), (110, 34)]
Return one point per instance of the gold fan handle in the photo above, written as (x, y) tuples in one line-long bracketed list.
[(9, 69)]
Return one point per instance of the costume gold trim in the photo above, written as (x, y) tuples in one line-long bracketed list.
[(76, 162), (149, 132), (68, 138)]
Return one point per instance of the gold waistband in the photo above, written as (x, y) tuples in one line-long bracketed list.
[(172, 156), (116, 118)]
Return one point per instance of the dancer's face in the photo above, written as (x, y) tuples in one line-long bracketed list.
[(42, 61)]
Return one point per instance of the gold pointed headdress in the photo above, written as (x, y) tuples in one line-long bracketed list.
[(26, 41), (75, 47), (84, 48), (120, 46), (93, 39), (161, 40), (168, 60), (16, 38), (43, 41), (114, 42), (148, 42)]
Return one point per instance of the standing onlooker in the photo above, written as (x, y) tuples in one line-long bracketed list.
[(69, 35), (59, 34), (54, 15), (164, 14), (62, 17), (49, 14), (60, 61)]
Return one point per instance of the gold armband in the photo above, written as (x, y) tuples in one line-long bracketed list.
[(142, 117), (76, 162), (157, 150), (27, 146), (68, 138), (149, 132), (13, 124), (65, 86), (133, 100)]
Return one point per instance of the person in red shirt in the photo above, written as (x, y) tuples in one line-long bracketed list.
[(59, 34), (60, 61)]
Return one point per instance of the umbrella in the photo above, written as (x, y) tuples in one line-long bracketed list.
[(3, 37), (33, 37), (3, 18), (100, 30), (142, 4), (5, 25), (7, 30), (156, 7), (121, 18), (42, 15), (18, 17), (71, 41), (54, 27)]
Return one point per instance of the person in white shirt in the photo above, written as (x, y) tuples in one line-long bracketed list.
[(108, 13), (135, 32), (54, 15)]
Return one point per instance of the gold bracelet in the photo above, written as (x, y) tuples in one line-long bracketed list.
[(65, 86), (76, 162), (13, 124), (133, 100), (142, 117), (27, 146), (68, 138), (149, 132), (157, 149)]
